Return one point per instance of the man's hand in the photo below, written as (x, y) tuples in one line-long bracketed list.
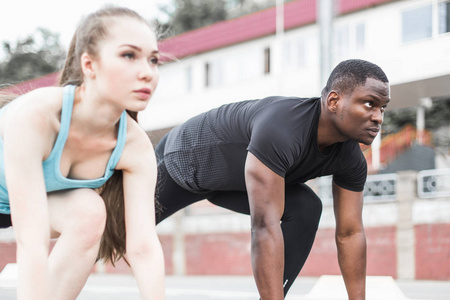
[(266, 199), (350, 240)]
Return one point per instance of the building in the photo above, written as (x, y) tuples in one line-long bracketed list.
[(407, 215), (250, 58), (246, 58)]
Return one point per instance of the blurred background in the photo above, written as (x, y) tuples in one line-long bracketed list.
[(223, 51)]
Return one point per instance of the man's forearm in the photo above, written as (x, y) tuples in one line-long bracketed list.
[(268, 262), (352, 262)]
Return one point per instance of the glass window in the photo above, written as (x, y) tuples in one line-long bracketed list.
[(294, 53), (207, 75), (444, 17), (266, 60), (360, 37), (342, 41), (189, 78), (216, 73), (287, 55), (416, 23), (301, 52)]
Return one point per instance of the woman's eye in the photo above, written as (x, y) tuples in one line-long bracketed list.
[(154, 61), (129, 55)]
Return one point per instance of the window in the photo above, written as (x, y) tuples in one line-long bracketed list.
[(294, 53), (444, 17), (360, 37), (266, 60), (349, 39), (301, 52), (416, 23), (342, 41), (189, 78), (216, 72), (207, 75)]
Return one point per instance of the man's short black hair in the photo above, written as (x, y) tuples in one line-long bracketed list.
[(349, 74)]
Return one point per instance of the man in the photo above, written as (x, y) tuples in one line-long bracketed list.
[(254, 156)]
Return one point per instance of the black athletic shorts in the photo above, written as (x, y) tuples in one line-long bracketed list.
[(5, 221)]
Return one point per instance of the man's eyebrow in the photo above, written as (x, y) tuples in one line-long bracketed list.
[(377, 99)]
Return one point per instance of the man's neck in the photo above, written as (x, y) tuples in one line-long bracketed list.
[(327, 133)]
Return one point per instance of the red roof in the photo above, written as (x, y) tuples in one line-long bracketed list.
[(259, 24), (29, 85), (226, 33), (348, 6)]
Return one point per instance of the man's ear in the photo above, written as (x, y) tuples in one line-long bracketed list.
[(87, 65), (332, 101)]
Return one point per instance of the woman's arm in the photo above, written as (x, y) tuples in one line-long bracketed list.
[(143, 248), (27, 136)]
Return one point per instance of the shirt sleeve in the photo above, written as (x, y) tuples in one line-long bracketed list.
[(352, 173), (272, 141)]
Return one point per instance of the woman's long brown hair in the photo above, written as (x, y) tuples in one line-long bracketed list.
[(85, 40)]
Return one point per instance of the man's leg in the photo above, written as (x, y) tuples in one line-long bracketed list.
[(170, 196), (299, 223)]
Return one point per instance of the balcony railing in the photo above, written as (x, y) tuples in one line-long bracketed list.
[(433, 183), (382, 187)]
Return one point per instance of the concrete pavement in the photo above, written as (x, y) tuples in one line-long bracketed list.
[(120, 287)]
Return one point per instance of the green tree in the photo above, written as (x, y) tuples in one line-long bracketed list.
[(437, 118), (186, 15), (37, 54)]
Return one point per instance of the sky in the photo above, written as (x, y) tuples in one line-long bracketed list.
[(18, 18)]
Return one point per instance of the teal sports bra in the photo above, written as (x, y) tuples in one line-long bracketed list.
[(54, 180)]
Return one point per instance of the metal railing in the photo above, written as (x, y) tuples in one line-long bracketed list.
[(433, 183), (382, 187)]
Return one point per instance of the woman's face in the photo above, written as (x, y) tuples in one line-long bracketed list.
[(126, 65)]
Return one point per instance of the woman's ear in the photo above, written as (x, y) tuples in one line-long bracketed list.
[(332, 101), (87, 66)]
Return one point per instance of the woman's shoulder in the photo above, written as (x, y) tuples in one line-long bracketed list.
[(138, 150), (45, 96), (136, 135), (41, 99), (40, 106)]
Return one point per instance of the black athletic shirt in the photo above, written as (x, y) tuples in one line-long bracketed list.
[(208, 152)]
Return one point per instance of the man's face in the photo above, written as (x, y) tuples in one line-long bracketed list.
[(360, 114)]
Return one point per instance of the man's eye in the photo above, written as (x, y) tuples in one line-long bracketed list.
[(368, 104)]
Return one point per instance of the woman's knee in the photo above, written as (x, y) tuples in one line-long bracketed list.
[(91, 213), (86, 216)]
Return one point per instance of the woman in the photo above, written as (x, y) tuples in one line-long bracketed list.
[(55, 146)]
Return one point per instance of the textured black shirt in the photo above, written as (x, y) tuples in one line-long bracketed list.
[(208, 152)]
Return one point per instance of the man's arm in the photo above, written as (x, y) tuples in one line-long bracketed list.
[(350, 240), (266, 199)]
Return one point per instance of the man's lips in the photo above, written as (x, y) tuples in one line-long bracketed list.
[(373, 131)]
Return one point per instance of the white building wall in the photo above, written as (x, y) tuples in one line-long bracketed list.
[(237, 72)]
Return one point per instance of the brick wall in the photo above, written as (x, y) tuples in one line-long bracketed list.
[(433, 251), (229, 253), (7, 253)]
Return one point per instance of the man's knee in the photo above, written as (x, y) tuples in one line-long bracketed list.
[(302, 204)]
